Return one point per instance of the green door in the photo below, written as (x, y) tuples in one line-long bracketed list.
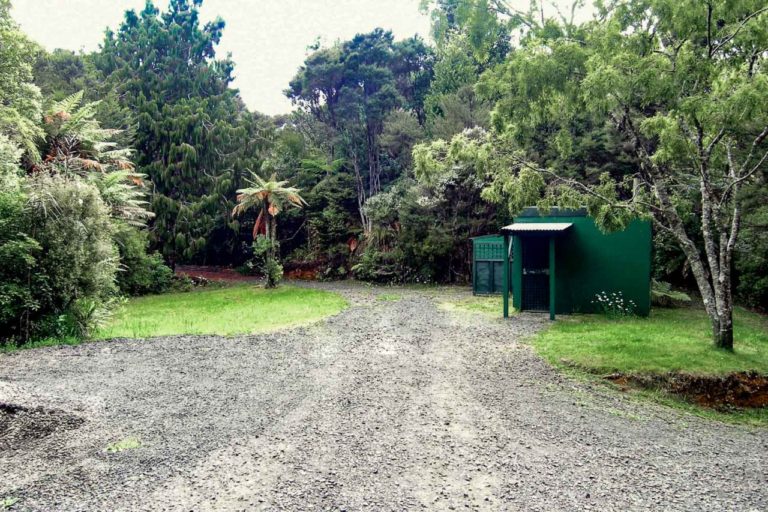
[(483, 277), (498, 276), (535, 274)]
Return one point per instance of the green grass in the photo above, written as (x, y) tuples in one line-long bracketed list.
[(129, 443), (239, 309), (389, 297), (668, 340), (41, 343), (8, 503), (491, 305)]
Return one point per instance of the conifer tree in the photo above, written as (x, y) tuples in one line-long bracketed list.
[(193, 136)]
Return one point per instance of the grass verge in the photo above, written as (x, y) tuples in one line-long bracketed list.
[(389, 297), (489, 305), (130, 443), (670, 340), (238, 309)]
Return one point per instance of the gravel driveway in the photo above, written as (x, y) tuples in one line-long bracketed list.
[(391, 405)]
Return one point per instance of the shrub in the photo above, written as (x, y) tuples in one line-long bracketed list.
[(264, 261), (73, 226), (378, 266), (751, 259), (75, 267), (182, 283), (85, 315), (662, 295), (140, 272), (10, 155), (18, 263)]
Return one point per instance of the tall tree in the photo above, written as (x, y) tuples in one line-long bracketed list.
[(193, 137), (20, 99), (683, 83), (271, 197), (353, 86)]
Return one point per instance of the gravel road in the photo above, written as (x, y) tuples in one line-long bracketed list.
[(391, 405)]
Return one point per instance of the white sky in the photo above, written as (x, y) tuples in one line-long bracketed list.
[(268, 39)]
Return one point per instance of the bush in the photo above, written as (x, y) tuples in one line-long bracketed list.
[(68, 261), (18, 263), (140, 272), (378, 266), (10, 173), (265, 263), (73, 226), (662, 295), (84, 316), (751, 259)]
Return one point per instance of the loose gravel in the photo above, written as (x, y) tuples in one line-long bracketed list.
[(390, 405)]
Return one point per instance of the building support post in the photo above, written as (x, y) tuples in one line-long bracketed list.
[(552, 298), (505, 288)]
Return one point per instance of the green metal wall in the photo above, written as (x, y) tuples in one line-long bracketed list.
[(487, 264), (588, 261)]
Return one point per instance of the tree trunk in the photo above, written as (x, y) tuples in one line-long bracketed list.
[(273, 238), (713, 280), (723, 330), (271, 256), (361, 198)]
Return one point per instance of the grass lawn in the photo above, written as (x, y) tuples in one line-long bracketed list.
[(489, 305), (668, 340), (238, 309), (389, 297)]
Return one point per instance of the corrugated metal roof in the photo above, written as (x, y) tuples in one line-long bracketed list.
[(537, 227)]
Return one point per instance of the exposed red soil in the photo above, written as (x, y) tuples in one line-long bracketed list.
[(304, 270), (743, 389), (304, 275), (214, 273)]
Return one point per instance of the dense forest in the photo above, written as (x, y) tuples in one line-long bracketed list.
[(120, 164)]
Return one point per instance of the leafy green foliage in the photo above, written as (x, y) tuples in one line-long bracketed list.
[(663, 295), (751, 262), (271, 197), (10, 157), (68, 260), (668, 340), (353, 88), (193, 138), (57, 255), (140, 272), (652, 112), (614, 306), (265, 262), (129, 443), (18, 259), (241, 309), (62, 73), (402, 151), (20, 99)]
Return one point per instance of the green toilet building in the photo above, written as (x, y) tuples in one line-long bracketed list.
[(488, 265), (561, 261)]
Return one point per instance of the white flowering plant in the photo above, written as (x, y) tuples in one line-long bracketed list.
[(614, 305)]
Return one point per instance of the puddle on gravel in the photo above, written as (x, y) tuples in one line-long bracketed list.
[(744, 389), (21, 425)]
